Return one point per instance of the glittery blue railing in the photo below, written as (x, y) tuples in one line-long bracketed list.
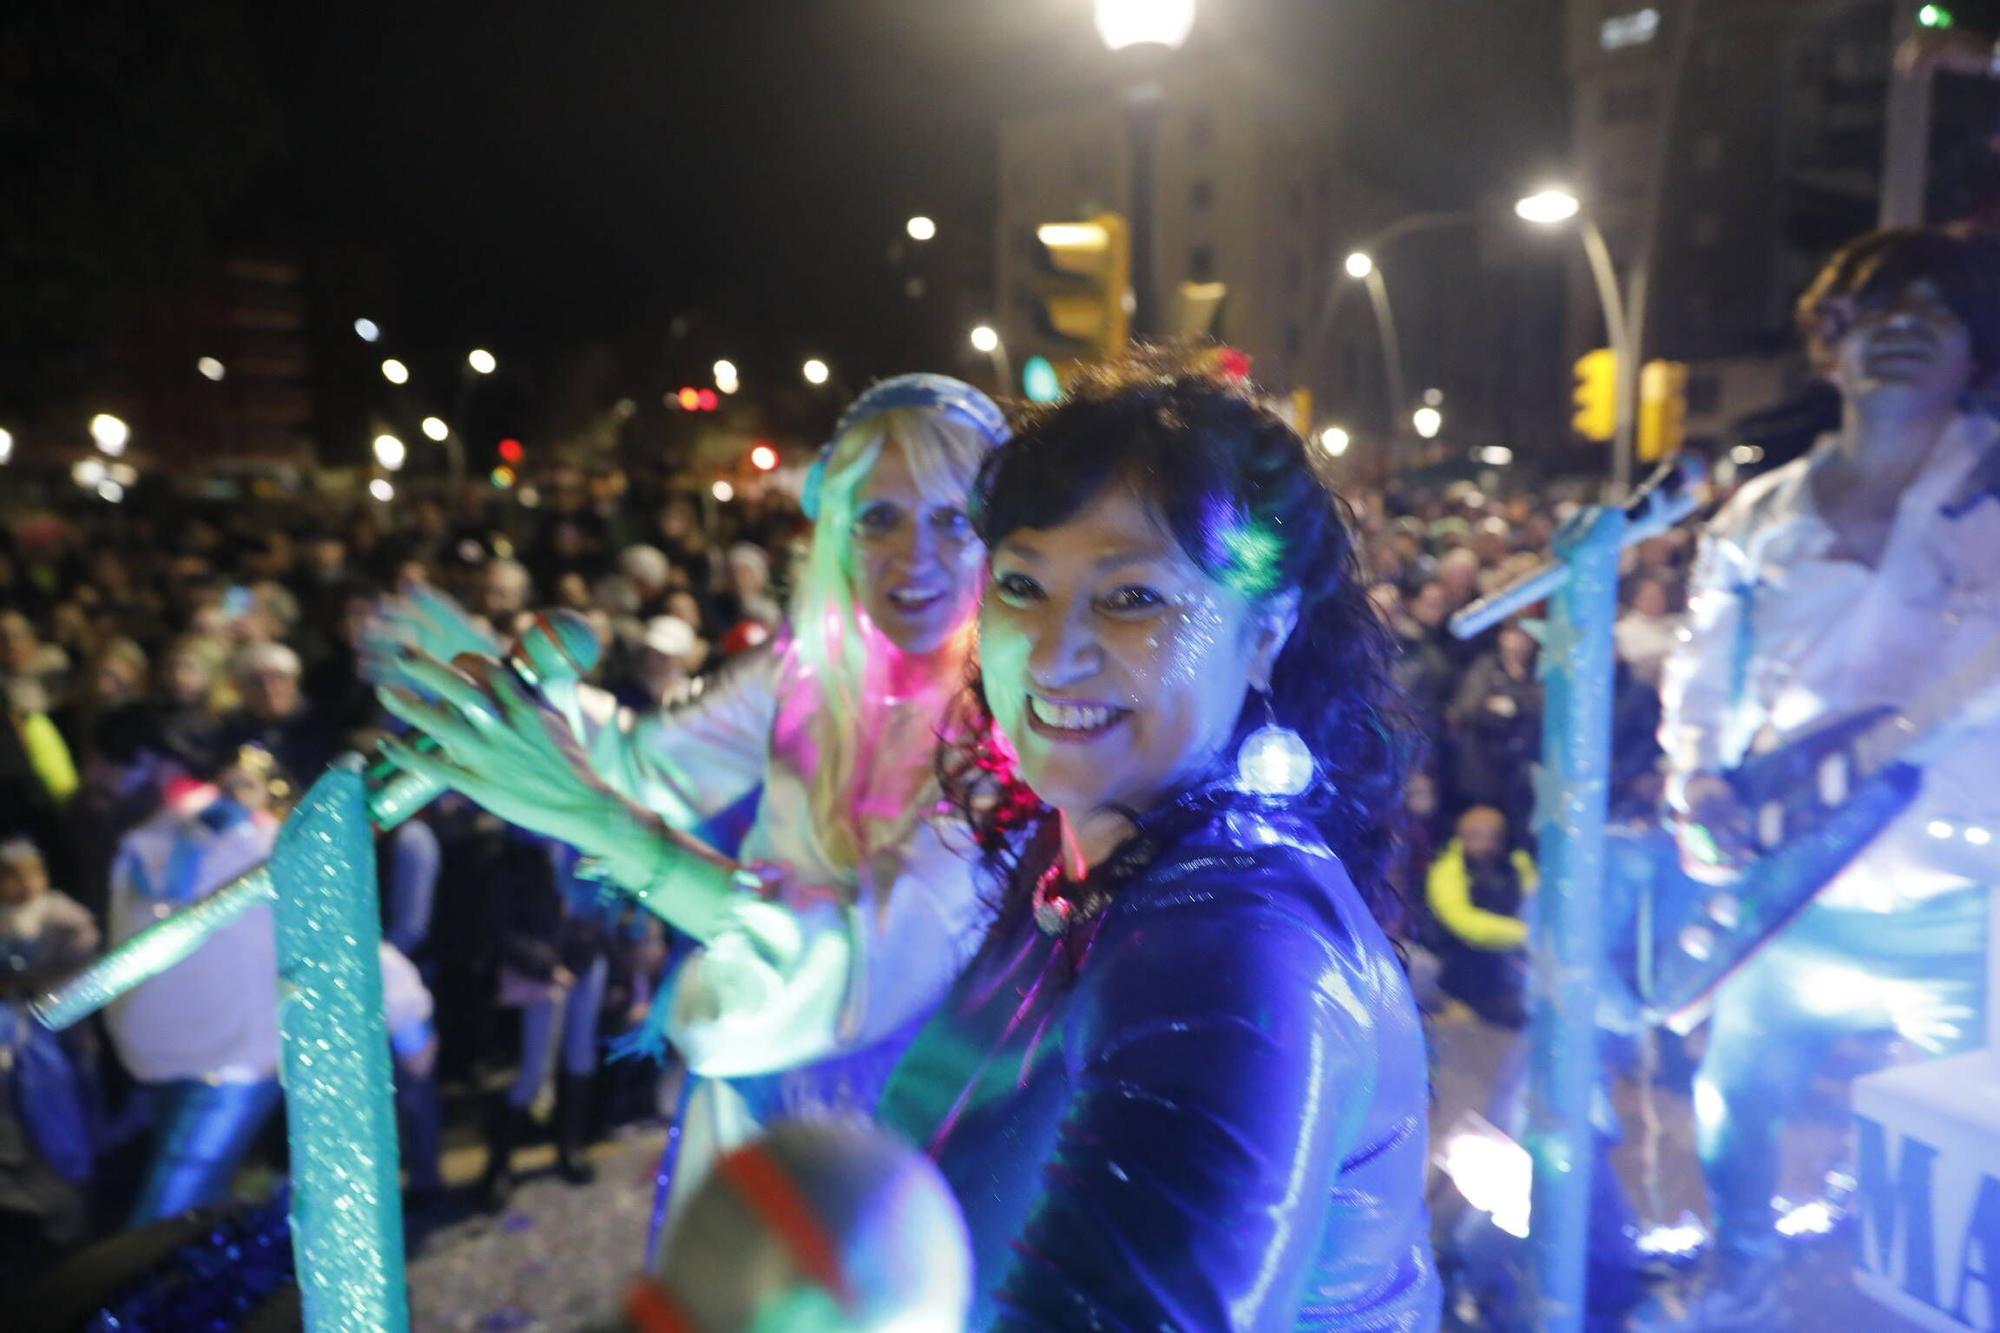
[(347, 1220), (1566, 928)]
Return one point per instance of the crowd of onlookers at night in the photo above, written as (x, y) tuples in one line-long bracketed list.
[(177, 672)]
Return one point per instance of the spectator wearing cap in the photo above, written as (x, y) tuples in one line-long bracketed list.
[(746, 574), (200, 1038), (505, 592), (670, 654), (650, 573), (276, 716)]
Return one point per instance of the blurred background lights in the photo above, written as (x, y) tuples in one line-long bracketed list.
[(382, 489), (815, 371), (390, 452), (395, 371), (435, 429), (1333, 441), (481, 361), (210, 368), (367, 330), (723, 492), (110, 432)]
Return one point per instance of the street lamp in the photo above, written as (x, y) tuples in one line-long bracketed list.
[(435, 429), (1333, 441), (1148, 31), (815, 371), (1123, 23), (1428, 421), (986, 338), (1361, 267), (6, 444), (382, 489), (395, 371), (367, 330), (920, 228), (390, 452), (111, 433), (481, 361), (725, 377), (1547, 208), (210, 369)]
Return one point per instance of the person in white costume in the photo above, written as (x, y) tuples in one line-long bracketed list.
[(1860, 575), (851, 904)]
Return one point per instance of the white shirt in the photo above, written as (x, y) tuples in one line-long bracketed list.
[(213, 1015), (855, 955), (1829, 635)]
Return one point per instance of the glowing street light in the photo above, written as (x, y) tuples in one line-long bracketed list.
[(1428, 422), (210, 369), (382, 489), (1123, 23), (1333, 441), (920, 228), (1547, 207), (725, 377), (763, 457), (1359, 265), (815, 371), (88, 472), (434, 429), (1554, 205), (395, 371), (481, 361), (390, 452), (984, 339), (367, 330), (723, 492), (111, 433), (6, 444), (110, 490)]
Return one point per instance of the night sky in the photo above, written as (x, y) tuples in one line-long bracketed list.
[(545, 176)]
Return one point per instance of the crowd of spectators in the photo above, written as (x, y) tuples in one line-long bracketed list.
[(146, 648)]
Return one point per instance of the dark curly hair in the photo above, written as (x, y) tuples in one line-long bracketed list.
[(1239, 490)]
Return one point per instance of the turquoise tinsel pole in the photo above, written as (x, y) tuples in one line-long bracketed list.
[(347, 1221), (1566, 935)]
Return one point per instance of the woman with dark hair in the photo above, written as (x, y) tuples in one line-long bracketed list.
[(1183, 1083)]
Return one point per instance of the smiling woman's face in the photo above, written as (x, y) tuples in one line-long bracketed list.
[(1114, 664), (916, 559)]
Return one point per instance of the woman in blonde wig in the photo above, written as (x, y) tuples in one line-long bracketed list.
[(852, 903)]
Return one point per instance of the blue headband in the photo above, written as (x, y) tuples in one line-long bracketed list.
[(938, 393)]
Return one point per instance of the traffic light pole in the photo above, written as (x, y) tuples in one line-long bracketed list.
[(1619, 334), (1143, 105)]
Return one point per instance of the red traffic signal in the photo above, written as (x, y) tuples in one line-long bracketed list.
[(706, 399), (511, 450)]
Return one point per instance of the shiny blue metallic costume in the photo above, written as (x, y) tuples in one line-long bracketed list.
[(1203, 1109)]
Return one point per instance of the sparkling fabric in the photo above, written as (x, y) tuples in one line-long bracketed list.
[(1203, 1110), (340, 1101)]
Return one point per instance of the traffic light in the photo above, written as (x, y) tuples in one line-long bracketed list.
[(1596, 395), (511, 451), (1085, 284), (1662, 409)]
